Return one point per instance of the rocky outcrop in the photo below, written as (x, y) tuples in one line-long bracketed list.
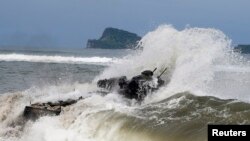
[(113, 38), (243, 48)]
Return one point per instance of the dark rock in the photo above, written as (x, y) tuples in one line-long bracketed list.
[(243, 48), (113, 38)]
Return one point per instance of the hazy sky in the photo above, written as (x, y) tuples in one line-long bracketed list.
[(69, 23)]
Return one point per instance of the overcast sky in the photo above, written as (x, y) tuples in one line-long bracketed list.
[(69, 23)]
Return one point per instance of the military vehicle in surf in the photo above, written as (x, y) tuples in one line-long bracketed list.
[(137, 88)]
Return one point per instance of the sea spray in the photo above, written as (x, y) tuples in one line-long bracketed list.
[(190, 56)]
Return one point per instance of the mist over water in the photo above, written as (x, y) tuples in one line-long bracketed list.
[(207, 83)]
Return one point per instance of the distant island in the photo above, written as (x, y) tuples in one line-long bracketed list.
[(113, 38), (243, 48)]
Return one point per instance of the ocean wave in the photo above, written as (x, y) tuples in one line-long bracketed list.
[(55, 59), (182, 116)]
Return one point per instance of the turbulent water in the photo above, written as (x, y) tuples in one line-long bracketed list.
[(208, 83)]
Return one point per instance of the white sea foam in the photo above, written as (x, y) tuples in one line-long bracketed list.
[(233, 69), (55, 59)]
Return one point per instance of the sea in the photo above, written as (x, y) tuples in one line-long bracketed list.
[(207, 82)]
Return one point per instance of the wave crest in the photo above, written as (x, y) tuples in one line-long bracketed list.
[(55, 59)]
